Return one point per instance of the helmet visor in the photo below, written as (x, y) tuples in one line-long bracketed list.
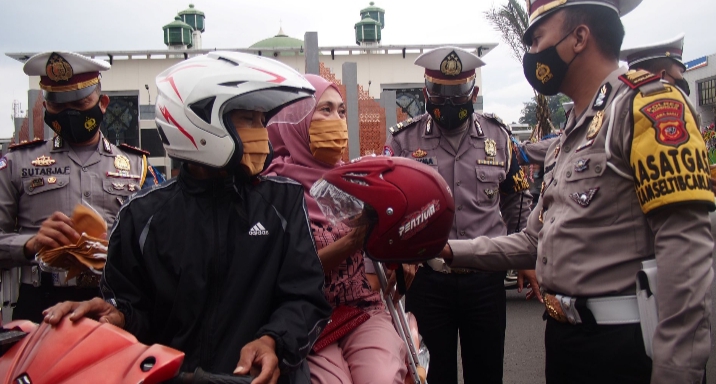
[(272, 102), (338, 206)]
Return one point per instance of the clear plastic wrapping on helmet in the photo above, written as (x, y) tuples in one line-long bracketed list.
[(338, 206)]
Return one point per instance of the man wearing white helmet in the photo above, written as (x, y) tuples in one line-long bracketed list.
[(219, 262)]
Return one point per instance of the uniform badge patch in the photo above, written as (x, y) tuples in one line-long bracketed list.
[(132, 187), (419, 153), (121, 162), (107, 147), (490, 149), (432, 160), (3, 163), (51, 180), (584, 198), (667, 117), (601, 101), (581, 165), (596, 125), (43, 161), (584, 146), (387, 151), (491, 193), (38, 182), (118, 186)]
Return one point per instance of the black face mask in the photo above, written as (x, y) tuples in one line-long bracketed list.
[(75, 126), (545, 70), (449, 116), (684, 85)]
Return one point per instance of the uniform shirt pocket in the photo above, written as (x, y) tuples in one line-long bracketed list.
[(45, 195), (488, 184), (586, 191)]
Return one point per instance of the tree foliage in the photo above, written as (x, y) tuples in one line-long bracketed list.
[(529, 112), (511, 20)]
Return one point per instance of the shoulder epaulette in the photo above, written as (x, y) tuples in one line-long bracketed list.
[(499, 121), (26, 144), (404, 124), (636, 78), (132, 149)]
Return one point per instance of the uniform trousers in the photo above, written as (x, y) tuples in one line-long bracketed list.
[(371, 353), (595, 354), (471, 305), (33, 300)]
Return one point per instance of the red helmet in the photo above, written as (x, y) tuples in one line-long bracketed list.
[(409, 206)]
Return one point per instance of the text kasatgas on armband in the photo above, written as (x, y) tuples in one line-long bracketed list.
[(671, 171)]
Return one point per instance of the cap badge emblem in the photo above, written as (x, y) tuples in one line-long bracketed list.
[(43, 161), (419, 153), (58, 68), (451, 65)]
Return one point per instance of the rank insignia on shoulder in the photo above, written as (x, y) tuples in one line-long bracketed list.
[(584, 198), (601, 101), (43, 161), (495, 118), (402, 125), (419, 153), (26, 144), (132, 149), (636, 78)]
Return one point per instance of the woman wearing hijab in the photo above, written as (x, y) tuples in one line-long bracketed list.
[(372, 351)]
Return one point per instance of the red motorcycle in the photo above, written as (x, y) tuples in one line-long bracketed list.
[(86, 351)]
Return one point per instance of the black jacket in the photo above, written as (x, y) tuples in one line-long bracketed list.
[(207, 266)]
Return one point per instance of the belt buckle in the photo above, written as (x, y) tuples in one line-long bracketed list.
[(460, 271), (554, 308)]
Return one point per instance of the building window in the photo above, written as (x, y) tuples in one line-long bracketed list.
[(121, 121), (707, 92), (411, 101)]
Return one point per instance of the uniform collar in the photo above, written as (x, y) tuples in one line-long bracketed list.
[(600, 101), (474, 128)]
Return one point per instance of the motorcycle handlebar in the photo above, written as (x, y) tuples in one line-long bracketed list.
[(201, 377)]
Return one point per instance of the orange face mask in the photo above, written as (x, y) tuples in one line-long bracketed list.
[(256, 148), (329, 139)]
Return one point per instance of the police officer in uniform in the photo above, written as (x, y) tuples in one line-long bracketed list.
[(473, 154), (42, 181), (627, 182), (663, 59)]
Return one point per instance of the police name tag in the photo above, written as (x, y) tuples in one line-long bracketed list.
[(427, 160)]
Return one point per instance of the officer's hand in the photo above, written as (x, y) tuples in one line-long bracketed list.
[(531, 277), (55, 232), (446, 254), (96, 308), (258, 358)]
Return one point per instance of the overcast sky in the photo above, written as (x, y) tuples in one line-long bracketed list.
[(83, 25)]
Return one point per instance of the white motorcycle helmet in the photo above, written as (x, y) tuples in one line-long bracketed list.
[(196, 96)]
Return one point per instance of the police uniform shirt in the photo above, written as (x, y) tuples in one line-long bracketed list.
[(623, 185), (41, 177), (482, 175)]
